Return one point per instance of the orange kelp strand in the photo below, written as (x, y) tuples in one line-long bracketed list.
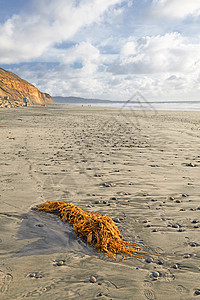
[(97, 230)]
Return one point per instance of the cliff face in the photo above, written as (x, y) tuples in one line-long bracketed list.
[(15, 88)]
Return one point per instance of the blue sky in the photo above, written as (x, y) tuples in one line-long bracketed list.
[(107, 49)]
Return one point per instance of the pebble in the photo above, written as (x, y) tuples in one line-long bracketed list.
[(116, 220), (194, 221), (155, 230), (171, 198), (39, 225), (180, 230), (156, 274), (99, 294), (193, 244), (197, 292), (148, 225), (60, 263), (186, 256), (113, 198), (106, 184), (32, 275), (149, 260), (105, 202), (160, 262), (191, 165), (175, 266), (196, 226), (178, 201), (35, 275), (175, 226), (97, 202), (185, 195), (93, 279)]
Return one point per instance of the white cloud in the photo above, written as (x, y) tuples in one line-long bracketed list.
[(129, 49), (160, 67), (84, 48), (83, 52), (27, 36), (157, 54), (175, 8), (66, 81)]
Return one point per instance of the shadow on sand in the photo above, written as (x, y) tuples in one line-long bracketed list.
[(49, 235)]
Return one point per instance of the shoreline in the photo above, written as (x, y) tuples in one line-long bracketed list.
[(125, 106), (131, 105)]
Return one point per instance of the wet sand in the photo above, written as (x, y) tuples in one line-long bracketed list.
[(142, 168)]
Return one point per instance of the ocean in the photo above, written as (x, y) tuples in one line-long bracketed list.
[(131, 105)]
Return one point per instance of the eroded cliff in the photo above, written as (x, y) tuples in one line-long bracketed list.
[(15, 89)]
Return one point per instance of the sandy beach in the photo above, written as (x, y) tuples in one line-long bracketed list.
[(141, 168)]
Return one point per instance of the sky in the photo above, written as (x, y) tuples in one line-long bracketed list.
[(104, 49)]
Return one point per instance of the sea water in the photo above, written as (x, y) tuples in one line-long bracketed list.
[(131, 105)]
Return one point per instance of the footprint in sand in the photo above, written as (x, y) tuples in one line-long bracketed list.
[(5, 280), (148, 292), (181, 289)]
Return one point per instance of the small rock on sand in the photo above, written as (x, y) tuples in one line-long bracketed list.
[(93, 279)]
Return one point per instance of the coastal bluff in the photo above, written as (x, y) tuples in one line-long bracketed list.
[(14, 89)]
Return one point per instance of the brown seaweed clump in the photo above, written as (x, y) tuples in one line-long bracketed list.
[(97, 230)]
